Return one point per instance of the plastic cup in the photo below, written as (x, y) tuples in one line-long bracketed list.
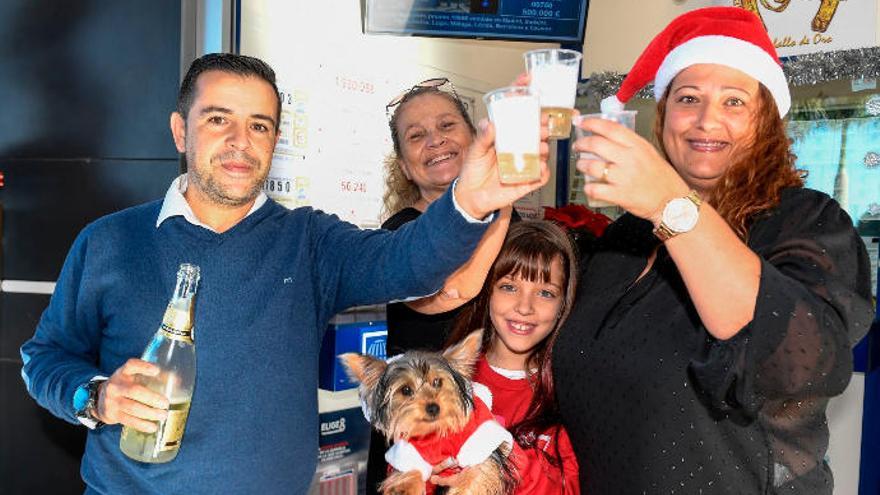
[(624, 117), (516, 113), (554, 75)]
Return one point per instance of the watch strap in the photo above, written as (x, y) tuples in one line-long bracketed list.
[(695, 198), (664, 233), (86, 402)]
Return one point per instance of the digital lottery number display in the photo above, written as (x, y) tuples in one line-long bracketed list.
[(560, 21)]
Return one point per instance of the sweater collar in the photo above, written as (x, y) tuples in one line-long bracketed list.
[(175, 204)]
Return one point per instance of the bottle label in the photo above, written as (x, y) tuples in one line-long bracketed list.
[(171, 432), (177, 334)]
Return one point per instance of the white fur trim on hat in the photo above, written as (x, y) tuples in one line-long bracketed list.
[(611, 105), (731, 52)]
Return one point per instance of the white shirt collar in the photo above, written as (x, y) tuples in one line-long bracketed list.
[(510, 374), (175, 204)]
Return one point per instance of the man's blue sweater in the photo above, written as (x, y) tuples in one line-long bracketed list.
[(268, 288)]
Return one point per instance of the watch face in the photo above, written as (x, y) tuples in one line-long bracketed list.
[(680, 215), (80, 397)]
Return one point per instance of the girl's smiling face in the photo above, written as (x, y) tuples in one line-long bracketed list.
[(523, 313)]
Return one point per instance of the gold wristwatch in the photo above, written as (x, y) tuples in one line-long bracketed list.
[(680, 215)]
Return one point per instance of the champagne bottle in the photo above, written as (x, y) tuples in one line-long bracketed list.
[(173, 350)]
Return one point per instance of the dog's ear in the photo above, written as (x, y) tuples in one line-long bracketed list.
[(363, 368), (463, 356)]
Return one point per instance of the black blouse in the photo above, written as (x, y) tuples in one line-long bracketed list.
[(408, 329), (654, 404)]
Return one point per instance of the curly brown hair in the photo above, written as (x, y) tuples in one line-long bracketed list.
[(400, 192), (753, 184)]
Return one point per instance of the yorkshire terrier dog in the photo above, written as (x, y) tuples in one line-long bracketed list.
[(425, 404)]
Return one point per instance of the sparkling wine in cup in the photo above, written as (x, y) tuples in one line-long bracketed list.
[(516, 113), (554, 75)]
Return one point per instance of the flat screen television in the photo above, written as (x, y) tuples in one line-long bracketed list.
[(559, 21)]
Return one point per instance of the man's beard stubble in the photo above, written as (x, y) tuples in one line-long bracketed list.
[(214, 191)]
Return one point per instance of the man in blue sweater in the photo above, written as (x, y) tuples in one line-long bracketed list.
[(271, 279)]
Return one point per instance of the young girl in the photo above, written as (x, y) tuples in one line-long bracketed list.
[(526, 296)]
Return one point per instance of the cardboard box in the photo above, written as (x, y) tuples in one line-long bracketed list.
[(366, 337)]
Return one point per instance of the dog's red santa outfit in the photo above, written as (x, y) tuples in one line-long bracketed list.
[(470, 446)]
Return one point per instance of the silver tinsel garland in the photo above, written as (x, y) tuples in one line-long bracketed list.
[(800, 70), (872, 106)]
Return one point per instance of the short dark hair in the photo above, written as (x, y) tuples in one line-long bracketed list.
[(242, 65)]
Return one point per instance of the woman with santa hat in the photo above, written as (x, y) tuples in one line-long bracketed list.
[(715, 319)]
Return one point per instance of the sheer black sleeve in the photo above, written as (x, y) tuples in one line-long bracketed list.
[(813, 305)]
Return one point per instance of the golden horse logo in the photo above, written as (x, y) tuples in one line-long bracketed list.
[(821, 20)]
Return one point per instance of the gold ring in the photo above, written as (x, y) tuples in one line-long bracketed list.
[(605, 173)]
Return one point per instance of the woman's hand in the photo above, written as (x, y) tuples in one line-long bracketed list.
[(635, 176)]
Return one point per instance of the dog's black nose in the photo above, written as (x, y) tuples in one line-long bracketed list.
[(432, 409)]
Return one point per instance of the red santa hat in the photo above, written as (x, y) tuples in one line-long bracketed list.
[(729, 36)]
